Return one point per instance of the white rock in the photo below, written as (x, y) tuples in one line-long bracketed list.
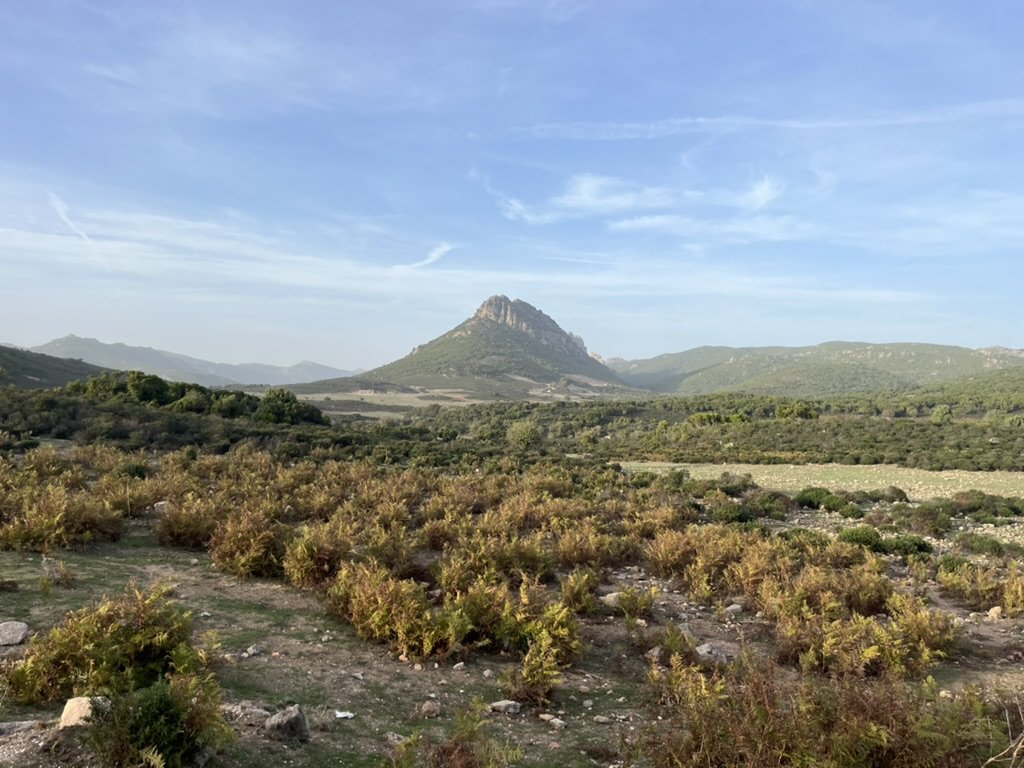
[(995, 613), (734, 609), (612, 599), (13, 632), (506, 706), (288, 724), (557, 724), (460, 666), (77, 710), (340, 714)]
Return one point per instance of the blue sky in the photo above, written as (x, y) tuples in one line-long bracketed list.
[(342, 181)]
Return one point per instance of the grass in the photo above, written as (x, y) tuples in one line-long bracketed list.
[(920, 484)]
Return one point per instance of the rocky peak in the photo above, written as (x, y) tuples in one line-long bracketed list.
[(527, 319)]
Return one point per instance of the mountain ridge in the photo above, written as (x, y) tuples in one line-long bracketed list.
[(174, 366), (830, 368)]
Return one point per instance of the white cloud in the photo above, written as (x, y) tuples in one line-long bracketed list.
[(761, 193), (674, 126), (436, 254), (593, 195), (61, 209)]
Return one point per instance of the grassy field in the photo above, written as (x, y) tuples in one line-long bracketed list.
[(919, 484)]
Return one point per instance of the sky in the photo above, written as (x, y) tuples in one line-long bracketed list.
[(251, 180)]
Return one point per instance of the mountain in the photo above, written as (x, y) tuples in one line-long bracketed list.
[(31, 370), (175, 367), (506, 349), (826, 369)]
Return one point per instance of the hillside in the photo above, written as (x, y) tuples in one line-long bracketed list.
[(506, 349), (33, 370), (175, 367), (833, 368)]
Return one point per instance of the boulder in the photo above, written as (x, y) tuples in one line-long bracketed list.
[(288, 725), (506, 706), (429, 709), (78, 710), (13, 632)]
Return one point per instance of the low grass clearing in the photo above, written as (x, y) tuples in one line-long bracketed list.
[(920, 484)]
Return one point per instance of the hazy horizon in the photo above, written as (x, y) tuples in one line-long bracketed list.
[(247, 182)]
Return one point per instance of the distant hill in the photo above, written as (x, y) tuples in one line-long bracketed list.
[(832, 368), (175, 367), (506, 349), (34, 371)]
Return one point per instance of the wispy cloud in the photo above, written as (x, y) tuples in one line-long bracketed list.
[(656, 129), (585, 195), (436, 254), (61, 209), (590, 194), (761, 192)]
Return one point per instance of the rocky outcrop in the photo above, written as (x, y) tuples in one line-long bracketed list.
[(527, 319)]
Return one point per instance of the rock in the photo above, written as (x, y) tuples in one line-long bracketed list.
[(343, 714), (547, 717), (252, 650), (78, 710), (13, 632), (506, 706), (656, 655), (429, 709), (460, 666), (995, 613), (612, 599), (488, 673), (557, 724), (602, 720), (588, 703), (244, 713), (709, 652), (288, 724), (395, 739), (734, 609), (357, 675)]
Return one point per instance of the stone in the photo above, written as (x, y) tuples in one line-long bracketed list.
[(709, 652), (289, 724), (78, 710), (995, 613), (252, 650), (602, 720), (488, 673), (547, 717), (656, 655), (506, 706), (588, 703), (557, 723), (244, 713), (13, 632), (612, 599), (395, 739), (734, 609), (460, 666), (429, 709), (161, 507)]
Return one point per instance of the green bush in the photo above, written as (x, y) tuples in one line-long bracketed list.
[(167, 724), (864, 535), (115, 646)]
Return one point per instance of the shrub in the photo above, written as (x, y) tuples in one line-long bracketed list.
[(118, 645), (189, 524), (470, 745), (249, 543), (863, 535), (383, 608), (748, 715), (166, 724)]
